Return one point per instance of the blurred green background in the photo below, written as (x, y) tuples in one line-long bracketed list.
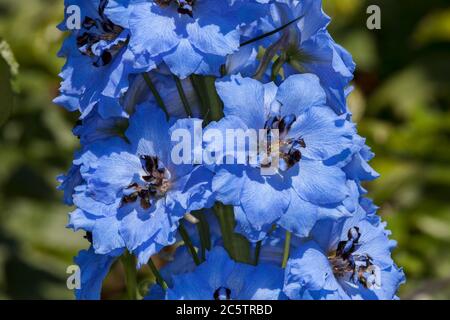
[(401, 102)]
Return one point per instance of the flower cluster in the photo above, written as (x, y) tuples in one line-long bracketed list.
[(139, 71)]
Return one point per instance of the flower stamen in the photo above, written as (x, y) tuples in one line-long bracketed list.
[(98, 30), (183, 6), (289, 149), (155, 186), (354, 267), (222, 293)]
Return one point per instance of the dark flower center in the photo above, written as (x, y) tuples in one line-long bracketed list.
[(88, 236), (350, 266), (97, 30), (155, 186), (183, 6), (222, 293), (290, 149)]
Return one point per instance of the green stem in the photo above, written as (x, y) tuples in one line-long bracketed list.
[(183, 97), (129, 265), (212, 106), (237, 246), (188, 243), (158, 277), (223, 71), (257, 251), (287, 247), (214, 101), (197, 85), (277, 65), (269, 55), (226, 227), (155, 93), (204, 232)]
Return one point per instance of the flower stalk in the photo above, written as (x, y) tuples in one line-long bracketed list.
[(129, 265), (287, 248), (204, 233), (159, 279), (188, 243), (237, 246), (183, 97), (155, 93)]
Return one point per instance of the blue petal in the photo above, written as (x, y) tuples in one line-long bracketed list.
[(196, 190), (184, 60), (308, 269), (100, 204), (257, 285), (299, 93), (93, 268), (333, 65), (210, 40), (243, 98), (113, 175), (149, 132), (153, 32), (244, 227), (301, 216), (69, 182), (319, 184), (228, 183), (220, 152), (359, 169), (80, 220), (314, 18), (263, 199), (156, 224), (323, 137), (105, 235), (375, 243), (244, 282)]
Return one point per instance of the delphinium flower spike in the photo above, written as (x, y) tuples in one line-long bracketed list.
[(139, 72)]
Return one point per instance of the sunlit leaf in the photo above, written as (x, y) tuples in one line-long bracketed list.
[(434, 27), (9, 69)]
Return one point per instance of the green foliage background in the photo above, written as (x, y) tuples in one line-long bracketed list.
[(401, 102)]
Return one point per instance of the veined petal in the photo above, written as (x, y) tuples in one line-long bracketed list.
[(300, 92), (319, 184)]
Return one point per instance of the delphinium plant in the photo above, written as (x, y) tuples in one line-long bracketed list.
[(216, 139)]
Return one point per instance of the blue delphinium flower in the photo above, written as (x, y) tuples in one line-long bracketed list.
[(220, 278), (354, 206), (312, 49), (302, 45), (189, 36), (131, 60), (98, 62), (345, 260), (310, 135), (134, 197), (93, 270)]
